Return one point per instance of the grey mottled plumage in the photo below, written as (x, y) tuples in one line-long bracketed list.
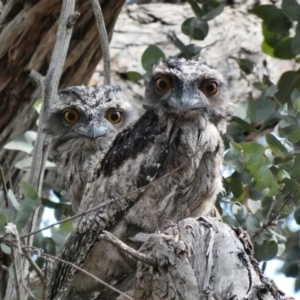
[(173, 154), (81, 126)]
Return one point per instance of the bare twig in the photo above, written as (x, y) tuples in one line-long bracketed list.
[(103, 39), (270, 222), (15, 271), (50, 87), (34, 266), (107, 236), (4, 187)]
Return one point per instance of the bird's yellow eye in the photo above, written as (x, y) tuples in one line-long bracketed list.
[(114, 116), (162, 84), (71, 116), (209, 88)]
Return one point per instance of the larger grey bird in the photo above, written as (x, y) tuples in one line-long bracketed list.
[(80, 127), (165, 167)]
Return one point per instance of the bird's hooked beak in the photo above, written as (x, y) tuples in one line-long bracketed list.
[(93, 130), (188, 103)]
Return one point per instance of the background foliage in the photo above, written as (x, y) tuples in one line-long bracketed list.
[(262, 159)]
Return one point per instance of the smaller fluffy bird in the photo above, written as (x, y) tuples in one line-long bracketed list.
[(80, 127)]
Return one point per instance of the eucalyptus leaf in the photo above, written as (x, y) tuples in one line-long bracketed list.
[(275, 20), (5, 249), (266, 251), (12, 199), (196, 8), (151, 56), (212, 11), (28, 190), (275, 145), (291, 8), (23, 143), (296, 40), (287, 83), (134, 76), (283, 49), (195, 28), (246, 65)]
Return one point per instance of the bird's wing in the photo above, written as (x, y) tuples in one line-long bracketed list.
[(124, 169)]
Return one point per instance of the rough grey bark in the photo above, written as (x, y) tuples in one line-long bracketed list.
[(201, 259)]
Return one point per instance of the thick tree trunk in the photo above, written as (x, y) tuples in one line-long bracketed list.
[(201, 259), (27, 35)]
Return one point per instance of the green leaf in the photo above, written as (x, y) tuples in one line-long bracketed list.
[(134, 76), (255, 194), (275, 20), (295, 172), (28, 191), (287, 83), (212, 9), (283, 49), (194, 28), (177, 42), (296, 40), (254, 150), (267, 49), (234, 157), (296, 104), (264, 181), (292, 133), (190, 51), (24, 164), (23, 143), (270, 38), (290, 187), (239, 212), (260, 109), (3, 221), (297, 215), (196, 8), (243, 125), (5, 249), (246, 65), (12, 199), (252, 223), (236, 187), (230, 221), (292, 271), (275, 145), (266, 251), (253, 206), (291, 9), (151, 56), (273, 189)]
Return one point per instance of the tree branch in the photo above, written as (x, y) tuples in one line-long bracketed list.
[(107, 236), (103, 39)]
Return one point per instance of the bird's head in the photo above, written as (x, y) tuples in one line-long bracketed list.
[(88, 118), (189, 90)]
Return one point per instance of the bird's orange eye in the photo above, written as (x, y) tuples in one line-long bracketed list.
[(162, 84), (114, 116), (209, 88), (71, 116)]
